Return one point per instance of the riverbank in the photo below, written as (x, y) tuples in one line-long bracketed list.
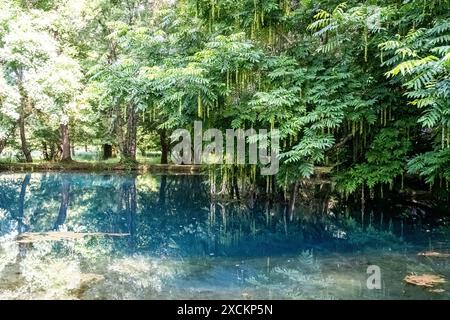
[(74, 166), (320, 173)]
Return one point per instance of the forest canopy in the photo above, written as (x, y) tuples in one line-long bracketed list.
[(362, 88)]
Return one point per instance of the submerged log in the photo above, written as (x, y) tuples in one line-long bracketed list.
[(31, 237), (425, 280), (433, 254)]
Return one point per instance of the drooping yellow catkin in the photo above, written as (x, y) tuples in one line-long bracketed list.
[(199, 106)]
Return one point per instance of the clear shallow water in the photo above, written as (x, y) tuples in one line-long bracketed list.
[(180, 244)]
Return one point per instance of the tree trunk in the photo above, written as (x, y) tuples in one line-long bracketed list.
[(65, 143), (45, 154), (52, 154), (23, 107), (164, 146), (23, 139), (65, 198), (107, 151), (2, 145), (132, 132)]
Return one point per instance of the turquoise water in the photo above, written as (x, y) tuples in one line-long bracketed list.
[(162, 237)]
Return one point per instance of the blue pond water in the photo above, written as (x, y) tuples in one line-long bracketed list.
[(119, 236)]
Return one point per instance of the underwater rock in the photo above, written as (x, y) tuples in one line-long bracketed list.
[(31, 237), (437, 290), (90, 278), (425, 280), (246, 295), (86, 281)]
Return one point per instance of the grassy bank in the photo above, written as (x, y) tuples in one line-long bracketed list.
[(97, 167)]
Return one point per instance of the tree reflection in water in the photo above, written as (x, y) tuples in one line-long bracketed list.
[(65, 197), (182, 243)]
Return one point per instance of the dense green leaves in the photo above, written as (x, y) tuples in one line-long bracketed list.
[(360, 88)]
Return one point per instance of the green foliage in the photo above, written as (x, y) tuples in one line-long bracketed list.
[(385, 160), (422, 58), (432, 165), (361, 88)]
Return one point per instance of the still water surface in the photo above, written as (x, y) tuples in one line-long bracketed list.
[(169, 241)]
